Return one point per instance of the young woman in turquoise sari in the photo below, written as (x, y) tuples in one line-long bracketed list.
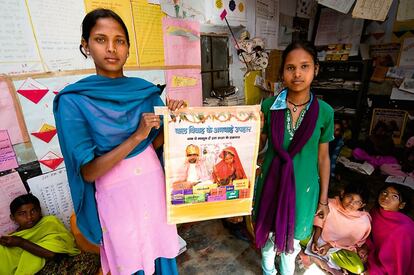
[(108, 133)]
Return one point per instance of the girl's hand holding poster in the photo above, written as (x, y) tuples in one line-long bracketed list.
[(210, 161)]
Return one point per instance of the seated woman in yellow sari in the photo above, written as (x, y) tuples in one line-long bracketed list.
[(37, 240)]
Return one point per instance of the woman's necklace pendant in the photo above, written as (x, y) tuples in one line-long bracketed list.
[(294, 109)]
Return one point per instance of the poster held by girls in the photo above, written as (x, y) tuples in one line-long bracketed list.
[(210, 161)]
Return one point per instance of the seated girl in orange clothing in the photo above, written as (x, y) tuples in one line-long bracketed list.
[(343, 231)]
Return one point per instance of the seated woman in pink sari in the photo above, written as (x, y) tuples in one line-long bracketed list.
[(391, 244), (229, 168)]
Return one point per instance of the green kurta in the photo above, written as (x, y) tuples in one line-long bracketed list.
[(305, 165)]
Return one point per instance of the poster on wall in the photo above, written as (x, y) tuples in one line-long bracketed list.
[(210, 161), (392, 120), (182, 42), (52, 190), (11, 114), (407, 53), (185, 84), (19, 53)]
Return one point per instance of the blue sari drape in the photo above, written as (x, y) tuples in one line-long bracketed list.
[(93, 116)]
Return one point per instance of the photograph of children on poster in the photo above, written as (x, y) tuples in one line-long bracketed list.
[(210, 161)]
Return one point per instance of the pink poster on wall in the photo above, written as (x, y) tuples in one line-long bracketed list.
[(11, 186), (181, 42), (10, 115), (7, 155), (185, 84)]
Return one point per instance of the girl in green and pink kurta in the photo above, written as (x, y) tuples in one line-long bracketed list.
[(294, 183)]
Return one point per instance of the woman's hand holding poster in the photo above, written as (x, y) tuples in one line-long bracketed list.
[(210, 161)]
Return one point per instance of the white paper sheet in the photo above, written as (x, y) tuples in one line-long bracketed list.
[(11, 186), (58, 32), (267, 22), (268, 29), (18, 51), (285, 30), (405, 10), (337, 28), (372, 9), (190, 9), (53, 192), (397, 94), (407, 53), (340, 5)]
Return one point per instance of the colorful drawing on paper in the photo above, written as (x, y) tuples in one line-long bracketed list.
[(185, 84), (51, 160), (182, 48), (39, 117), (186, 9), (210, 161), (46, 133), (235, 11), (32, 90)]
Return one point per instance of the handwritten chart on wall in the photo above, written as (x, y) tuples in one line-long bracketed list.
[(11, 186), (8, 158), (52, 189), (20, 56), (57, 29), (148, 30), (372, 9), (123, 9)]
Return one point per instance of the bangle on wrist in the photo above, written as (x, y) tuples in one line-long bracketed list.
[(324, 204)]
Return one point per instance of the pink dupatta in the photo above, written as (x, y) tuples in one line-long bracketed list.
[(391, 244)]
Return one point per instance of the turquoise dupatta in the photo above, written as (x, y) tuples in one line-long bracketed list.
[(93, 116)]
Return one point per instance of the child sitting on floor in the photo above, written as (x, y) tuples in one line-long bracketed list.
[(41, 241), (338, 237), (390, 246)]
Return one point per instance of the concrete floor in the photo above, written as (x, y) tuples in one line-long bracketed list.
[(211, 249)]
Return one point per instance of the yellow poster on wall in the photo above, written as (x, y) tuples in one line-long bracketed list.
[(123, 9), (210, 161), (148, 31)]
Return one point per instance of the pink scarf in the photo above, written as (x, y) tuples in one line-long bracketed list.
[(391, 244)]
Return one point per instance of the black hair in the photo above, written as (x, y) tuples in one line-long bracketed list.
[(358, 188), (22, 200), (305, 45), (90, 21), (405, 193)]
